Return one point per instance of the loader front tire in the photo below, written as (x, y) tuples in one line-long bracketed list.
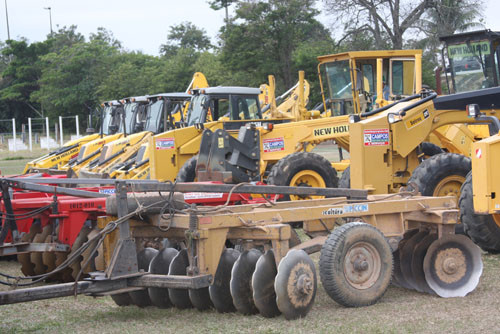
[(187, 173), (442, 175), (303, 169), (484, 230)]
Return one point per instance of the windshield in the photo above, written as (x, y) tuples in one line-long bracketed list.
[(106, 119), (337, 87), (196, 113), (338, 79), (472, 66), (129, 117), (154, 115)]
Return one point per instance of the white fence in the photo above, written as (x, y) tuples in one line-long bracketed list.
[(38, 130)]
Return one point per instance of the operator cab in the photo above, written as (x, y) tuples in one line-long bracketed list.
[(224, 103), (399, 70), (471, 60), (112, 112), (166, 111), (135, 109)]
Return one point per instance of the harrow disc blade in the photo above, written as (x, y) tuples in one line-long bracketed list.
[(88, 252), (200, 298), (141, 297), (397, 273), (27, 267), (75, 266), (241, 281), (453, 266), (295, 284), (66, 273), (122, 299), (49, 261), (263, 277), (179, 297), (36, 257), (406, 255), (417, 263), (159, 265), (220, 293)]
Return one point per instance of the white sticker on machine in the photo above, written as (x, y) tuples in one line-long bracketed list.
[(165, 143), (273, 144), (193, 195), (376, 137)]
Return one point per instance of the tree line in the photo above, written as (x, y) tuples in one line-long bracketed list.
[(68, 74)]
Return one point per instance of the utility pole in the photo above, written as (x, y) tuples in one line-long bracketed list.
[(50, 17), (7, 20)]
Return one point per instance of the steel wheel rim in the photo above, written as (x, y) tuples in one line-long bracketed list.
[(496, 219), (307, 178), (362, 265), (449, 186)]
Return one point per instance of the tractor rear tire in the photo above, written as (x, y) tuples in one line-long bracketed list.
[(303, 169), (355, 264), (187, 173), (482, 229), (442, 175), (345, 178)]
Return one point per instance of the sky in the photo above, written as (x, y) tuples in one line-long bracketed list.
[(139, 25)]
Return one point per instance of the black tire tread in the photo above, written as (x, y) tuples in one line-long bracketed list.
[(428, 174), (283, 171), (345, 178), (187, 173), (482, 229), (332, 254), (430, 149)]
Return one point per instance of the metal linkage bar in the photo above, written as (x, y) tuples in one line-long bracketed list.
[(35, 186), (152, 185), (100, 287), (26, 247)]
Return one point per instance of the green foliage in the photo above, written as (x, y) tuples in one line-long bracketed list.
[(71, 77), (185, 36), (263, 36)]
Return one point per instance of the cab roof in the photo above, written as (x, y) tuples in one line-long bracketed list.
[(369, 54), (226, 90)]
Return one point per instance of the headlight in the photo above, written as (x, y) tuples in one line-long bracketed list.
[(473, 110), (393, 118)]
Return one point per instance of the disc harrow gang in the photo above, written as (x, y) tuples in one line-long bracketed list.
[(409, 239)]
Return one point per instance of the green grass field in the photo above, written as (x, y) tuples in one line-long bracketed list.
[(399, 311)]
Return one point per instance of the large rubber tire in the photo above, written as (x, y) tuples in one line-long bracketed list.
[(311, 165), (442, 175), (345, 178), (482, 229), (347, 284), (430, 149), (431, 172), (187, 173)]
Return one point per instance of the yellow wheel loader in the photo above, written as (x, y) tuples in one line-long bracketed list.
[(133, 162), (133, 112), (110, 119)]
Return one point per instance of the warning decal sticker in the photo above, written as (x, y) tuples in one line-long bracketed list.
[(376, 137), (165, 143), (273, 144)]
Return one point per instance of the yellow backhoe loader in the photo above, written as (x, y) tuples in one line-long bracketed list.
[(109, 121)]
